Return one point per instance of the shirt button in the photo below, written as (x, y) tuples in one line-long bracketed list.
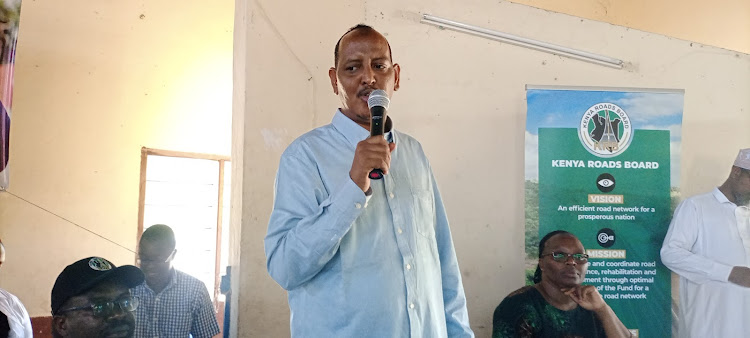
[(411, 306), (408, 266), (390, 195), (399, 230), (358, 206)]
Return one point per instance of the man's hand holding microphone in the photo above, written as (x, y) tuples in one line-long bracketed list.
[(372, 158)]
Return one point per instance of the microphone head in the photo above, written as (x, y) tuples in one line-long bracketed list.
[(378, 98)]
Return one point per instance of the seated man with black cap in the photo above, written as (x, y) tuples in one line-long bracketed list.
[(91, 298)]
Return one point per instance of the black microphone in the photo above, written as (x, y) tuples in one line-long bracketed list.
[(378, 103)]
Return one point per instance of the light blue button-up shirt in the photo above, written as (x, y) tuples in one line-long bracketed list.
[(363, 266)]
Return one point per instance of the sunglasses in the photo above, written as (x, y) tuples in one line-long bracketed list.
[(106, 309), (563, 257)]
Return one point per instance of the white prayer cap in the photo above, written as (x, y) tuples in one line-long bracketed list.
[(743, 159)]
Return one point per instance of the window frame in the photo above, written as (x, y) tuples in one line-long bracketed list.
[(222, 159)]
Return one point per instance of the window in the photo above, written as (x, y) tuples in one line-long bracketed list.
[(190, 193)]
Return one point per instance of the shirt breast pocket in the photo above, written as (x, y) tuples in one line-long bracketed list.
[(183, 320), (424, 213)]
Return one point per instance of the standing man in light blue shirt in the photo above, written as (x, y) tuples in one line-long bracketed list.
[(362, 258)]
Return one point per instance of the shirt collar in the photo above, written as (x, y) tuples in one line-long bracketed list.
[(720, 196), (172, 282), (353, 132)]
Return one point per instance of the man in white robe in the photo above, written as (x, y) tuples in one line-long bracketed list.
[(708, 245)]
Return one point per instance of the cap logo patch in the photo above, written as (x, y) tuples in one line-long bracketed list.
[(100, 264)]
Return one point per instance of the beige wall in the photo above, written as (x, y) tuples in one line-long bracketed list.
[(722, 23), (463, 98), (95, 82)]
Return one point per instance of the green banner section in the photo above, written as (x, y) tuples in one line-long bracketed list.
[(619, 207)]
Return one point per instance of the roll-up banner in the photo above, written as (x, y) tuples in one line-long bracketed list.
[(603, 163), (10, 12)]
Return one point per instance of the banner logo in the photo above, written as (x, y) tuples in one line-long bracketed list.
[(606, 237), (605, 182), (605, 130)]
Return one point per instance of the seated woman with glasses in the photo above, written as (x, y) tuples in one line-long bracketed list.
[(557, 305)]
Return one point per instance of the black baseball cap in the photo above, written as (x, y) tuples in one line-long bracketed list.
[(85, 274)]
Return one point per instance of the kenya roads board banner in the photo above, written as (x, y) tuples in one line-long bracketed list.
[(604, 164)]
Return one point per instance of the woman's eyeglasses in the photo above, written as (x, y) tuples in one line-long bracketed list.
[(563, 257)]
